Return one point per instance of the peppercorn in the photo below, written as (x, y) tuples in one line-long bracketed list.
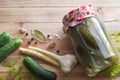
[(29, 42), (26, 34), (58, 51), (35, 42), (48, 35), (32, 39)]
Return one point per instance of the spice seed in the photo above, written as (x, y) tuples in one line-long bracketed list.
[(58, 51), (26, 34), (35, 42), (32, 39), (29, 42), (48, 35)]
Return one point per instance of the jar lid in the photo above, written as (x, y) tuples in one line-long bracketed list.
[(75, 17)]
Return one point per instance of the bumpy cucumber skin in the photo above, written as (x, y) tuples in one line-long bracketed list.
[(8, 48), (4, 38), (38, 70)]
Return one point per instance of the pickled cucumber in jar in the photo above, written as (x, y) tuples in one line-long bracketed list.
[(94, 49)]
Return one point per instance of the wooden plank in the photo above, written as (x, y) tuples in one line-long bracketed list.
[(46, 16), (112, 26), (73, 76), (49, 15), (47, 28), (9, 27), (57, 3)]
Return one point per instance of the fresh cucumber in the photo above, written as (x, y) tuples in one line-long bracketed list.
[(4, 38), (8, 48), (38, 70)]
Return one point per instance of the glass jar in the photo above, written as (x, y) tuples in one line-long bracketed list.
[(94, 49)]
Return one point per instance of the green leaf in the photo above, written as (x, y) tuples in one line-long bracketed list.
[(117, 39), (14, 72), (2, 78), (114, 70), (19, 69), (8, 62), (118, 48), (11, 72), (117, 33), (112, 34), (38, 35), (33, 78), (17, 77)]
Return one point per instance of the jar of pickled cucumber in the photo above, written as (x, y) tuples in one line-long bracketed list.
[(94, 49)]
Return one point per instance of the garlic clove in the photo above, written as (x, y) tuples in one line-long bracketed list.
[(22, 30)]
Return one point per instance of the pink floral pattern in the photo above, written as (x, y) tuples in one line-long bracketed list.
[(76, 16)]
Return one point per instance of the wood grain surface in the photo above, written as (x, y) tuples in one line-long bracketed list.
[(46, 16)]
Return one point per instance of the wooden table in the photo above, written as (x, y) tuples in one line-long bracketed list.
[(46, 16)]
